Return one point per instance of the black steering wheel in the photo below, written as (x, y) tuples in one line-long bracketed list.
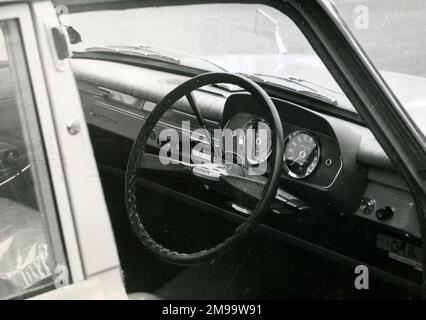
[(264, 192)]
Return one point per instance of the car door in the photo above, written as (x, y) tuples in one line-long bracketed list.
[(55, 236)]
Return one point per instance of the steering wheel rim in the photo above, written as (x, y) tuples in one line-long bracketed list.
[(269, 189)]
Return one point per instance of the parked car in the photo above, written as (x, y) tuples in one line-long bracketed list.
[(205, 151)]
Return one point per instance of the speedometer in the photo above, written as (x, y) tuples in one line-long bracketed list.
[(301, 154)]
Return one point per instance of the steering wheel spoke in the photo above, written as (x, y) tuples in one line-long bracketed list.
[(197, 111)]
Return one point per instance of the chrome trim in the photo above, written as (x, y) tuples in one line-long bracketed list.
[(337, 174), (244, 128), (287, 140), (241, 209), (15, 175), (142, 118)]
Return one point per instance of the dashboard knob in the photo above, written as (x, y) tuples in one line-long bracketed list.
[(367, 205), (384, 213)]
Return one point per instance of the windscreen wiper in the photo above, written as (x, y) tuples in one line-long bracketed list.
[(154, 49), (154, 52), (253, 76), (299, 82), (259, 77), (286, 79), (318, 96), (132, 51)]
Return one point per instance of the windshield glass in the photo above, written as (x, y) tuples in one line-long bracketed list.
[(392, 32), (245, 38)]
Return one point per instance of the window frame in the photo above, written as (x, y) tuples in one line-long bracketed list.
[(21, 13), (92, 223), (28, 125)]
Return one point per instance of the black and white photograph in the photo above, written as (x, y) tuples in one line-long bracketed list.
[(205, 157)]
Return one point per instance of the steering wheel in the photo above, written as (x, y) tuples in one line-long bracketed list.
[(264, 191)]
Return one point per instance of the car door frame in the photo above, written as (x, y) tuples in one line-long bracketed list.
[(93, 263)]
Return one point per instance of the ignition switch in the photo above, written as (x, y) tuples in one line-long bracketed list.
[(367, 205)]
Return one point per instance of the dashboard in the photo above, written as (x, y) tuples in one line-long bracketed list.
[(335, 176), (330, 165)]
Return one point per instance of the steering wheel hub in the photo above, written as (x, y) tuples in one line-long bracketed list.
[(211, 171)]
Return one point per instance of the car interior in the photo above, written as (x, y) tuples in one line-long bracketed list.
[(343, 207), (326, 213), (328, 200)]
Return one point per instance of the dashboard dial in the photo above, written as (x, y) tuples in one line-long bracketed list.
[(258, 143), (301, 154)]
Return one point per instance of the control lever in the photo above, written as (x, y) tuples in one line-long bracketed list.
[(286, 199)]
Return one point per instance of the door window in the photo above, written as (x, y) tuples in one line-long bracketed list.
[(32, 258)]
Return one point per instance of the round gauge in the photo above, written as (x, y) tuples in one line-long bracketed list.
[(258, 141), (301, 154)]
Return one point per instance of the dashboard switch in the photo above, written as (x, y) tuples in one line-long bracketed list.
[(384, 213), (367, 205)]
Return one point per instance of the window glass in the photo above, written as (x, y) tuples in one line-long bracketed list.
[(392, 32), (31, 254), (234, 37)]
